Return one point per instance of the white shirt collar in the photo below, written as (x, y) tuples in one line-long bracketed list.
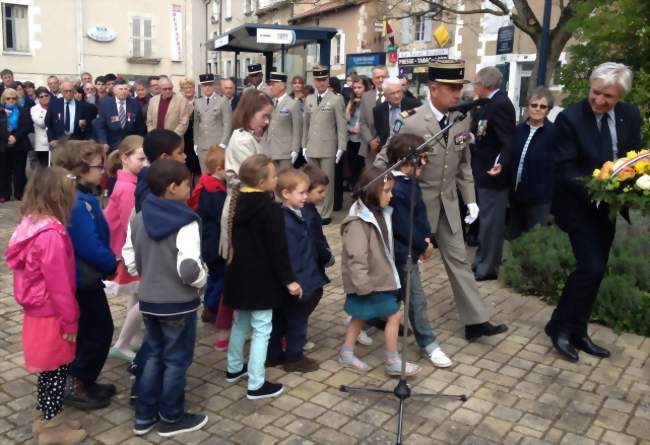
[(117, 102), (491, 95), (397, 173), (281, 98), (610, 113), (437, 114)]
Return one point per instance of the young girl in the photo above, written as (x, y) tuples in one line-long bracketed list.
[(370, 278), (124, 163), (40, 254), (258, 248), (94, 262)]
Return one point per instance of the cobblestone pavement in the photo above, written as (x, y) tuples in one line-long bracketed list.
[(520, 392)]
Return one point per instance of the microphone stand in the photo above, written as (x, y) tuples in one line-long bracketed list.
[(403, 391)]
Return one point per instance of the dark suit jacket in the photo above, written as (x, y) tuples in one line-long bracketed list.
[(381, 115), (578, 152), (497, 119), (235, 101), (107, 125), (54, 120), (22, 130)]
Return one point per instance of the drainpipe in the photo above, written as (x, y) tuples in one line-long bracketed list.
[(80, 35)]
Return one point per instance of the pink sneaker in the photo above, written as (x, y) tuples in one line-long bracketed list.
[(221, 345)]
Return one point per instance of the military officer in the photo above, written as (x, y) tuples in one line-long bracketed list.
[(447, 171), (283, 137), (212, 118), (256, 77), (324, 133)]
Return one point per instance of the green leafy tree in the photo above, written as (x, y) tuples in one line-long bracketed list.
[(618, 31)]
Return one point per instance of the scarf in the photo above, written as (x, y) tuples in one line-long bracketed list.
[(12, 119), (207, 183)]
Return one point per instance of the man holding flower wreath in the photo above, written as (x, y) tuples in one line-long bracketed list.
[(597, 129)]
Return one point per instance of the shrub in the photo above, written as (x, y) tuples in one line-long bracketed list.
[(539, 262)]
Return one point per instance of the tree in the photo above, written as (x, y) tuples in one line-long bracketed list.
[(522, 16), (618, 31)]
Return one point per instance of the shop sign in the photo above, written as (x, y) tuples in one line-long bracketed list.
[(101, 34), (421, 57), (276, 36), (505, 39)]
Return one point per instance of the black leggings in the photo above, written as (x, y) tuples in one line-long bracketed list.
[(50, 387)]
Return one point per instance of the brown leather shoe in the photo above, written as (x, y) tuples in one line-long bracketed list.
[(305, 365)]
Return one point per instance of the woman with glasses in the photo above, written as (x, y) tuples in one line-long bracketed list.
[(531, 184), (38, 112), (13, 158)]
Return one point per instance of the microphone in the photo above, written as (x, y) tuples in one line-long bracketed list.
[(464, 107)]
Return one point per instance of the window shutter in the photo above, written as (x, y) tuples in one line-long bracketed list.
[(136, 37), (147, 37), (428, 29), (406, 31), (22, 36), (228, 9)]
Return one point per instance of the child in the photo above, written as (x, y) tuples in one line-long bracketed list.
[(370, 278), (399, 147), (290, 319), (258, 271), (124, 163), (95, 262), (41, 255), (163, 247), (318, 182), (207, 200)]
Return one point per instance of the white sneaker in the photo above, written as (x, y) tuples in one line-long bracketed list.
[(439, 359), (364, 339)]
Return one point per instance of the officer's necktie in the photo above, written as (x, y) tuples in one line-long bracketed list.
[(443, 124), (122, 115), (208, 101), (318, 99), (606, 138), (66, 118)]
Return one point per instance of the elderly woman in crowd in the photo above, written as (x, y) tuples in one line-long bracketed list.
[(188, 90), (531, 184), (142, 95), (13, 158), (38, 111)]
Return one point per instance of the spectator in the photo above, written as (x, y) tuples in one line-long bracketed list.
[(109, 80), (352, 111), (38, 112), (118, 117), (154, 87), (68, 117), (7, 77), (100, 86), (494, 125), (369, 100), (142, 95), (188, 89), (23, 100), (227, 87), (54, 85), (12, 167), (90, 93), (404, 80), (168, 110), (385, 115), (86, 77), (297, 89), (29, 88), (531, 172)]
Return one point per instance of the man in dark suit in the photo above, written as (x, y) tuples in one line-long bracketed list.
[(68, 117), (388, 113), (227, 87), (597, 129), (493, 127), (119, 117)]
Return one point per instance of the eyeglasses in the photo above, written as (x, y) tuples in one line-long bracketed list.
[(99, 167), (540, 106), (11, 98)]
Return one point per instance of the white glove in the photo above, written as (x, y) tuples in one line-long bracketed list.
[(196, 149), (304, 154), (339, 155), (473, 213), (294, 157)]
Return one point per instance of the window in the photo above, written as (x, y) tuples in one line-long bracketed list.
[(141, 37), (14, 27), (229, 72), (228, 12), (216, 6), (338, 49)]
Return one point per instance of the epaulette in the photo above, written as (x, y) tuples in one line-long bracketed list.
[(407, 113)]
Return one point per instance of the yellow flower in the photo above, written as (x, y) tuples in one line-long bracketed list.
[(631, 155), (642, 166), (596, 173)]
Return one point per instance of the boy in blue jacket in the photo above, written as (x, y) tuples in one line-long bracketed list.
[(291, 318), (398, 147)]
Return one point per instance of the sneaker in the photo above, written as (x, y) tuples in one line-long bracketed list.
[(439, 359), (268, 389), (140, 429), (395, 369), (309, 346), (189, 422), (232, 377), (305, 365), (125, 355), (364, 339), (355, 364)]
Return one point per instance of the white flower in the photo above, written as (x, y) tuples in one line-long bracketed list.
[(643, 182)]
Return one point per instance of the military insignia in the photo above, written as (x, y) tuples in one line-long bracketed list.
[(407, 113), (461, 138), (481, 129)]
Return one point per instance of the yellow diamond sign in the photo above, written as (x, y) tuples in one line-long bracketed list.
[(441, 34)]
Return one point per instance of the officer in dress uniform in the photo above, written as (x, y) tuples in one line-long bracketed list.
[(324, 133), (212, 118), (283, 138), (256, 77), (448, 169)]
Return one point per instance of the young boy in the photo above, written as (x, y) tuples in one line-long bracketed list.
[(318, 182), (290, 319), (163, 246), (207, 201), (398, 147)]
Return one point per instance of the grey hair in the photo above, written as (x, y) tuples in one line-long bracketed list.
[(611, 73), (394, 81), (379, 67), (468, 92), (542, 93), (490, 77)]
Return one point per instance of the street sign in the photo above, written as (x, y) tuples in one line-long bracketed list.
[(221, 41), (276, 36), (505, 39)]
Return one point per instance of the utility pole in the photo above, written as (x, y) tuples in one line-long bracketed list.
[(543, 57)]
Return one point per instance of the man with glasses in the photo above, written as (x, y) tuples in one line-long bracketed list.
[(493, 126), (67, 117), (168, 110), (119, 117)]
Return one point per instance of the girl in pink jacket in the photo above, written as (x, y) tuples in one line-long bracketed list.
[(124, 163), (41, 256)]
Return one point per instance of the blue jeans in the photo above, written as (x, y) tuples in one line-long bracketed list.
[(213, 290), (260, 321), (161, 387), (420, 323)]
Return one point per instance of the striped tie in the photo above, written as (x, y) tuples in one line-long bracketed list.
[(122, 115)]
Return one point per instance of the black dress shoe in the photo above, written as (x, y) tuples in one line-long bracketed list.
[(487, 277), (101, 390), (562, 343), (584, 343), (549, 329), (474, 331), (75, 394)]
